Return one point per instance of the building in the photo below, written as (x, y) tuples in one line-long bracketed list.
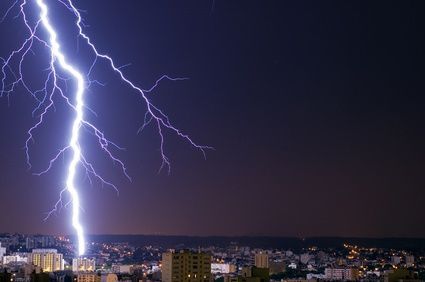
[(293, 265), (14, 259), (186, 266), (400, 274), (277, 267), (222, 268), (395, 260), (83, 265), (48, 259), (261, 260), (254, 274), (2, 252), (33, 242), (110, 277), (305, 258), (230, 278), (30, 243), (122, 268), (410, 261), (350, 274), (261, 273), (88, 277), (315, 276), (246, 271)]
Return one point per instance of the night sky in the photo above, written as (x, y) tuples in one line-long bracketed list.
[(315, 110)]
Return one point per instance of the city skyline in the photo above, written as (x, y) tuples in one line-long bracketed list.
[(30, 258), (314, 110)]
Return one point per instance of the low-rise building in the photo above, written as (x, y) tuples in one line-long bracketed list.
[(83, 265), (88, 277), (122, 268), (110, 277), (14, 259), (349, 274), (410, 261)]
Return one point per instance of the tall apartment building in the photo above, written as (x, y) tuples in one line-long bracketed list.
[(34, 242), (48, 259), (83, 265), (186, 266), (261, 260), (2, 251)]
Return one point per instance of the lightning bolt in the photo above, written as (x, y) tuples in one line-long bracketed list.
[(55, 86)]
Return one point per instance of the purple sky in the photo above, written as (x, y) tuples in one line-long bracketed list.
[(315, 111)]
